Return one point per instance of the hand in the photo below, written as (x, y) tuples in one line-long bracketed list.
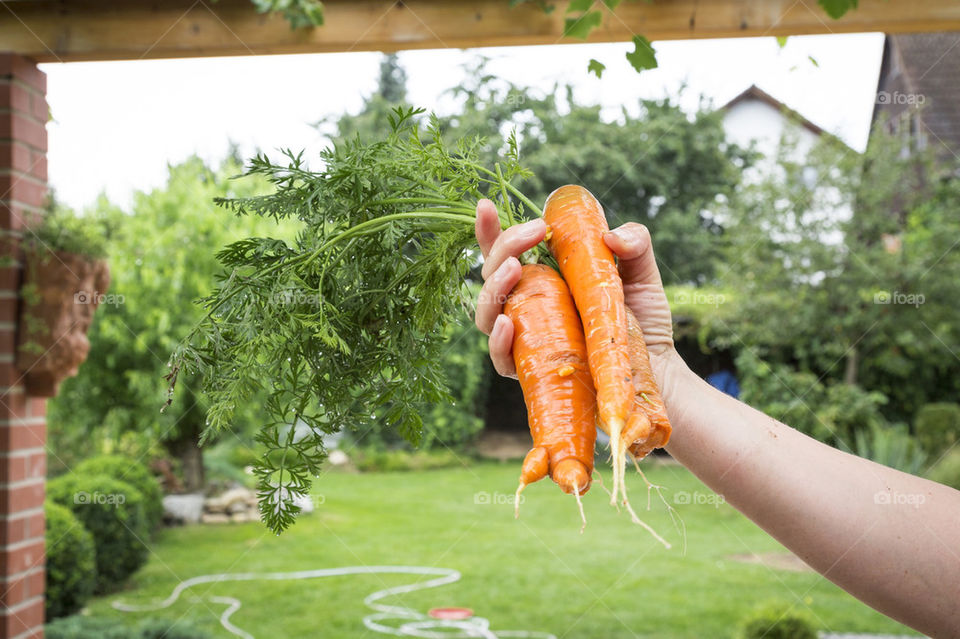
[(501, 272), (642, 286)]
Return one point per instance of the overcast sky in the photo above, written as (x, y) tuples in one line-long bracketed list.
[(116, 125)]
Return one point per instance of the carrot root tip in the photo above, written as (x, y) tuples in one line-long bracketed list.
[(516, 500)]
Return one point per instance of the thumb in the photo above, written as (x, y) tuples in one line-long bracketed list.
[(631, 243)]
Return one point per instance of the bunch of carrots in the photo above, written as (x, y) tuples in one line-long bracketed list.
[(376, 273), (581, 357)]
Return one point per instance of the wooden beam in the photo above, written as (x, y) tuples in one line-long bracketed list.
[(68, 30)]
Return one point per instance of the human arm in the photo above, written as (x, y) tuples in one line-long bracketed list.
[(888, 538)]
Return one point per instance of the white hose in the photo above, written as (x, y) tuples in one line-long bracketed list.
[(413, 623)]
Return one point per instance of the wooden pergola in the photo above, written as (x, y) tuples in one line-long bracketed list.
[(35, 31)]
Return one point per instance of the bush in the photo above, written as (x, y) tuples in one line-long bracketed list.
[(105, 628), (947, 470), (891, 446), (776, 621), (938, 426), (133, 473), (830, 413), (71, 562), (112, 511)]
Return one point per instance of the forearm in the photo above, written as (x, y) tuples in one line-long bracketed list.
[(889, 538)]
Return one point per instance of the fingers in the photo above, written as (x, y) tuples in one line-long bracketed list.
[(487, 226), (512, 242), (631, 243), (494, 293), (501, 345)]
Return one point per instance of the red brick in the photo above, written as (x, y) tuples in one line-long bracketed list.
[(9, 375), (18, 498), (12, 217), (16, 156), (36, 407), (38, 166), (9, 278), (23, 69), (22, 557), (20, 436), (20, 467), (13, 405), (22, 188), (20, 529), (21, 619), (21, 588), (16, 97), (24, 129), (8, 341)]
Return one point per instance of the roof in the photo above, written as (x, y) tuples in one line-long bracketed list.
[(753, 92), (923, 70)]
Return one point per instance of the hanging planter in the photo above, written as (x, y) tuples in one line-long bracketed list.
[(64, 280)]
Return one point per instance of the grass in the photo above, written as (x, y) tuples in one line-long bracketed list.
[(538, 573)]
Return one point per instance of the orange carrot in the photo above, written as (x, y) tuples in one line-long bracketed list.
[(649, 427), (551, 358), (575, 237)]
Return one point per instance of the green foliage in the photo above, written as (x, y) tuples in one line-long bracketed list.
[(112, 511), (675, 185), (937, 426), (344, 326), (80, 627), (837, 8), (163, 260), (831, 413), (777, 621), (70, 562), (299, 13), (947, 470), (891, 446), (394, 460), (643, 56), (867, 299), (596, 67), (62, 230), (134, 473)]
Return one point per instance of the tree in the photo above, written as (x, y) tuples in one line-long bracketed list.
[(662, 166), (162, 261), (868, 300)]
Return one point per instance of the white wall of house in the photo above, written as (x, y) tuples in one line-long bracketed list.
[(756, 122)]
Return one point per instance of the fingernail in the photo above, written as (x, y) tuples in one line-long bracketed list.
[(498, 324), (625, 236)]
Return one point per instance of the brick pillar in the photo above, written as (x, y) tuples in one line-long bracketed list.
[(23, 179)]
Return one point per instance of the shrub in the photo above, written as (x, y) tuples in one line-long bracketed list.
[(112, 511), (776, 621), (134, 473), (938, 426), (71, 562), (105, 628), (891, 446), (947, 470), (830, 413)]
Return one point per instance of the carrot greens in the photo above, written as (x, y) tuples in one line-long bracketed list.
[(343, 327)]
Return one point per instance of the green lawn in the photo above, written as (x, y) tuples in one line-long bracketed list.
[(538, 573)]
